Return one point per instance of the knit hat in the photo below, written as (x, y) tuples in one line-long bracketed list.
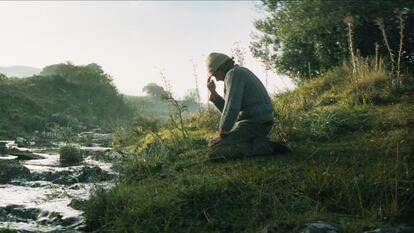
[(214, 61)]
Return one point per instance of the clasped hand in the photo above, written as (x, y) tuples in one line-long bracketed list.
[(211, 85)]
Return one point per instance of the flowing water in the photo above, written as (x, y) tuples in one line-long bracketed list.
[(42, 201)]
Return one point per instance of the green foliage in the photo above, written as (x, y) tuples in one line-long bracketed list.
[(305, 38), (148, 106), (70, 155), (207, 119), (2, 77), (139, 127), (152, 89), (336, 103), (76, 97), (3, 230), (86, 139)]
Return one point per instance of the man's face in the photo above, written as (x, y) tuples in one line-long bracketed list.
[(219, 75)]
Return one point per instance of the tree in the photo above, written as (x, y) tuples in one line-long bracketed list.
[(2, 77), (61, 69), (190, 100), (154, 90), (303, 38)]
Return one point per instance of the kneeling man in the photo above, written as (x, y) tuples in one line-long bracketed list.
[(246, 111)]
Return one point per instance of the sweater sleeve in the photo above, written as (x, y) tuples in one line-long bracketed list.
[(218, 101), (233, 101)]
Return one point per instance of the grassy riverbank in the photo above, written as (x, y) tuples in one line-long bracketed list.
[(351, 164)]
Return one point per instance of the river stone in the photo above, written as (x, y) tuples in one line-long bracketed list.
[(21, 141), (401, 229), (11, 169), (320, 227), (19, 213), (24, 155), (84, 175), (111, 155)]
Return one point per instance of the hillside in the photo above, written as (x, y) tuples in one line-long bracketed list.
[(351, 165), (75, 97), (19, 71), (148, 106), (157, 108)]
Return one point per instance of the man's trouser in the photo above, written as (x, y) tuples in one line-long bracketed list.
[(245, 139)]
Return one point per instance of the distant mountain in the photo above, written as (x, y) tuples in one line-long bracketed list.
[(84, 98), (19, 71)]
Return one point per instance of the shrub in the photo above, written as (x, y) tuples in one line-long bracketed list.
[(70, 155)]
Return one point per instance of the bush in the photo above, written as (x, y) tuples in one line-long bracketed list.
[(70, 155)]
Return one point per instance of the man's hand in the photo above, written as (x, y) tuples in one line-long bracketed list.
[(211, 85)]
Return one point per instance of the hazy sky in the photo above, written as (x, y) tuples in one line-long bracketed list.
[(132, 41)]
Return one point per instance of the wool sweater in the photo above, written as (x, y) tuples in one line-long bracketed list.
[(245, 100)]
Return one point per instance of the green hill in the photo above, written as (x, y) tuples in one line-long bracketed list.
[(148, 106), (63, 95), (351, 164)]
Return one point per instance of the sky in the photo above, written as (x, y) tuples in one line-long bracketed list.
[(133, 41)]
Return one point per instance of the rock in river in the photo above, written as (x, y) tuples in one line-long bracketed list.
[(23, 155), (320, 227)]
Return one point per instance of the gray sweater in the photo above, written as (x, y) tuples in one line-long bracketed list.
[(245, 99)]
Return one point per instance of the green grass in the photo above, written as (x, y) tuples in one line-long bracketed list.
[(351, 164)]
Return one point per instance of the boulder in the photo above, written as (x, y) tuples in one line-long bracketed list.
[(320, 227), (84, 175), (24, 155), (21, 141), (19, 213), (112, 155)]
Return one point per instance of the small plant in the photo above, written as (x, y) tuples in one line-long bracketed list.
[(70, 155), (86, 139), (197, 89), (381, 26), (400, 50), (349, 22), (177, 109)]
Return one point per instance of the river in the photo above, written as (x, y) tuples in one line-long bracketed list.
[(44, 201)]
